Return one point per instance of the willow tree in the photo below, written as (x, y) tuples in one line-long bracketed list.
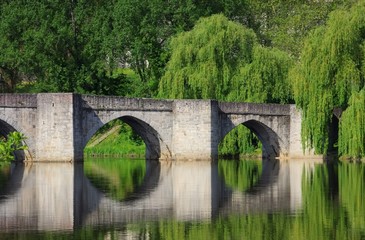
[(222, 59), (352, 127), (330, 71)]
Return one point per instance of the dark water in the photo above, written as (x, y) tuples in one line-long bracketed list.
[(135, 199)]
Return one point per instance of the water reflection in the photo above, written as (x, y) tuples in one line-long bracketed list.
[(38, 196), (276, 189), (59, 196), (121, 179)]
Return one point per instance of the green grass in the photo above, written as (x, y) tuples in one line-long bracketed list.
[(120, 142)]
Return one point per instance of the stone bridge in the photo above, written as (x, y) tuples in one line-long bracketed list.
[(59, 125)]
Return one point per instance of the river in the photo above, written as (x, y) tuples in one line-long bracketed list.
[(138, 199)]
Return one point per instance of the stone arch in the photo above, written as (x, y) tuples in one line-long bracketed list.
[(268, 138), (5, 129), (156, 148), (267, 129)]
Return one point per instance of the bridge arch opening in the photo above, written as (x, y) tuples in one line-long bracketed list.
[(5, 129), (268, 138), (265, 138), (140, 134)]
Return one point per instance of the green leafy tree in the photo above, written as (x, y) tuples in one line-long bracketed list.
[(11, 61), (330, 71), (285, 23), (221, 59), (142, 29), (352, 127), (61, 46), (77, 45)]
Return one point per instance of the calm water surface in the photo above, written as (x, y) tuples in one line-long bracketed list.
[(137, 199)]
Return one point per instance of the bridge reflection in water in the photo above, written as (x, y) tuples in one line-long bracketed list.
[(54, 196)]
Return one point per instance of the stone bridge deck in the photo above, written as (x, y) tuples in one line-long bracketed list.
[(59, 125)]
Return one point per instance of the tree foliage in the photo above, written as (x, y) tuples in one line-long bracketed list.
[(63, 46), (221, 59), (84, 35), (204, 60), (142, 29), (330, 71), (285, 23), (76, 45), (12, 142), (352, 127)]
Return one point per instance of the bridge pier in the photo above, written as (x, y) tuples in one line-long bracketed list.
[(58, 128), (195, 130)]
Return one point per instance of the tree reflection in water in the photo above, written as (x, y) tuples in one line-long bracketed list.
[(327, 202)]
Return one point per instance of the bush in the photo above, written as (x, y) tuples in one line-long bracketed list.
[(13, 142)]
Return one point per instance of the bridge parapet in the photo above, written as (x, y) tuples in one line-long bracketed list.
[(8, 100), (125, 104), (254, 108)]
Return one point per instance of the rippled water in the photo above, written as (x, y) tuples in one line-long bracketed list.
[(137, 199)]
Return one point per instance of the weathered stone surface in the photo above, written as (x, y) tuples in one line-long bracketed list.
[(192, 130), (150, 118), (59, 125), (19, 113), (255, 108), (126, 104), (55, 127), (18, 101)]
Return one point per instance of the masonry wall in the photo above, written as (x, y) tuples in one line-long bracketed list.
[(55, 127), (77, 125), (19, 113), (295, 146), (150, 118), (192, 130), (261, 109), (125, 104)]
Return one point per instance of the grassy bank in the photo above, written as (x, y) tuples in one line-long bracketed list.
[(115, 139)]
